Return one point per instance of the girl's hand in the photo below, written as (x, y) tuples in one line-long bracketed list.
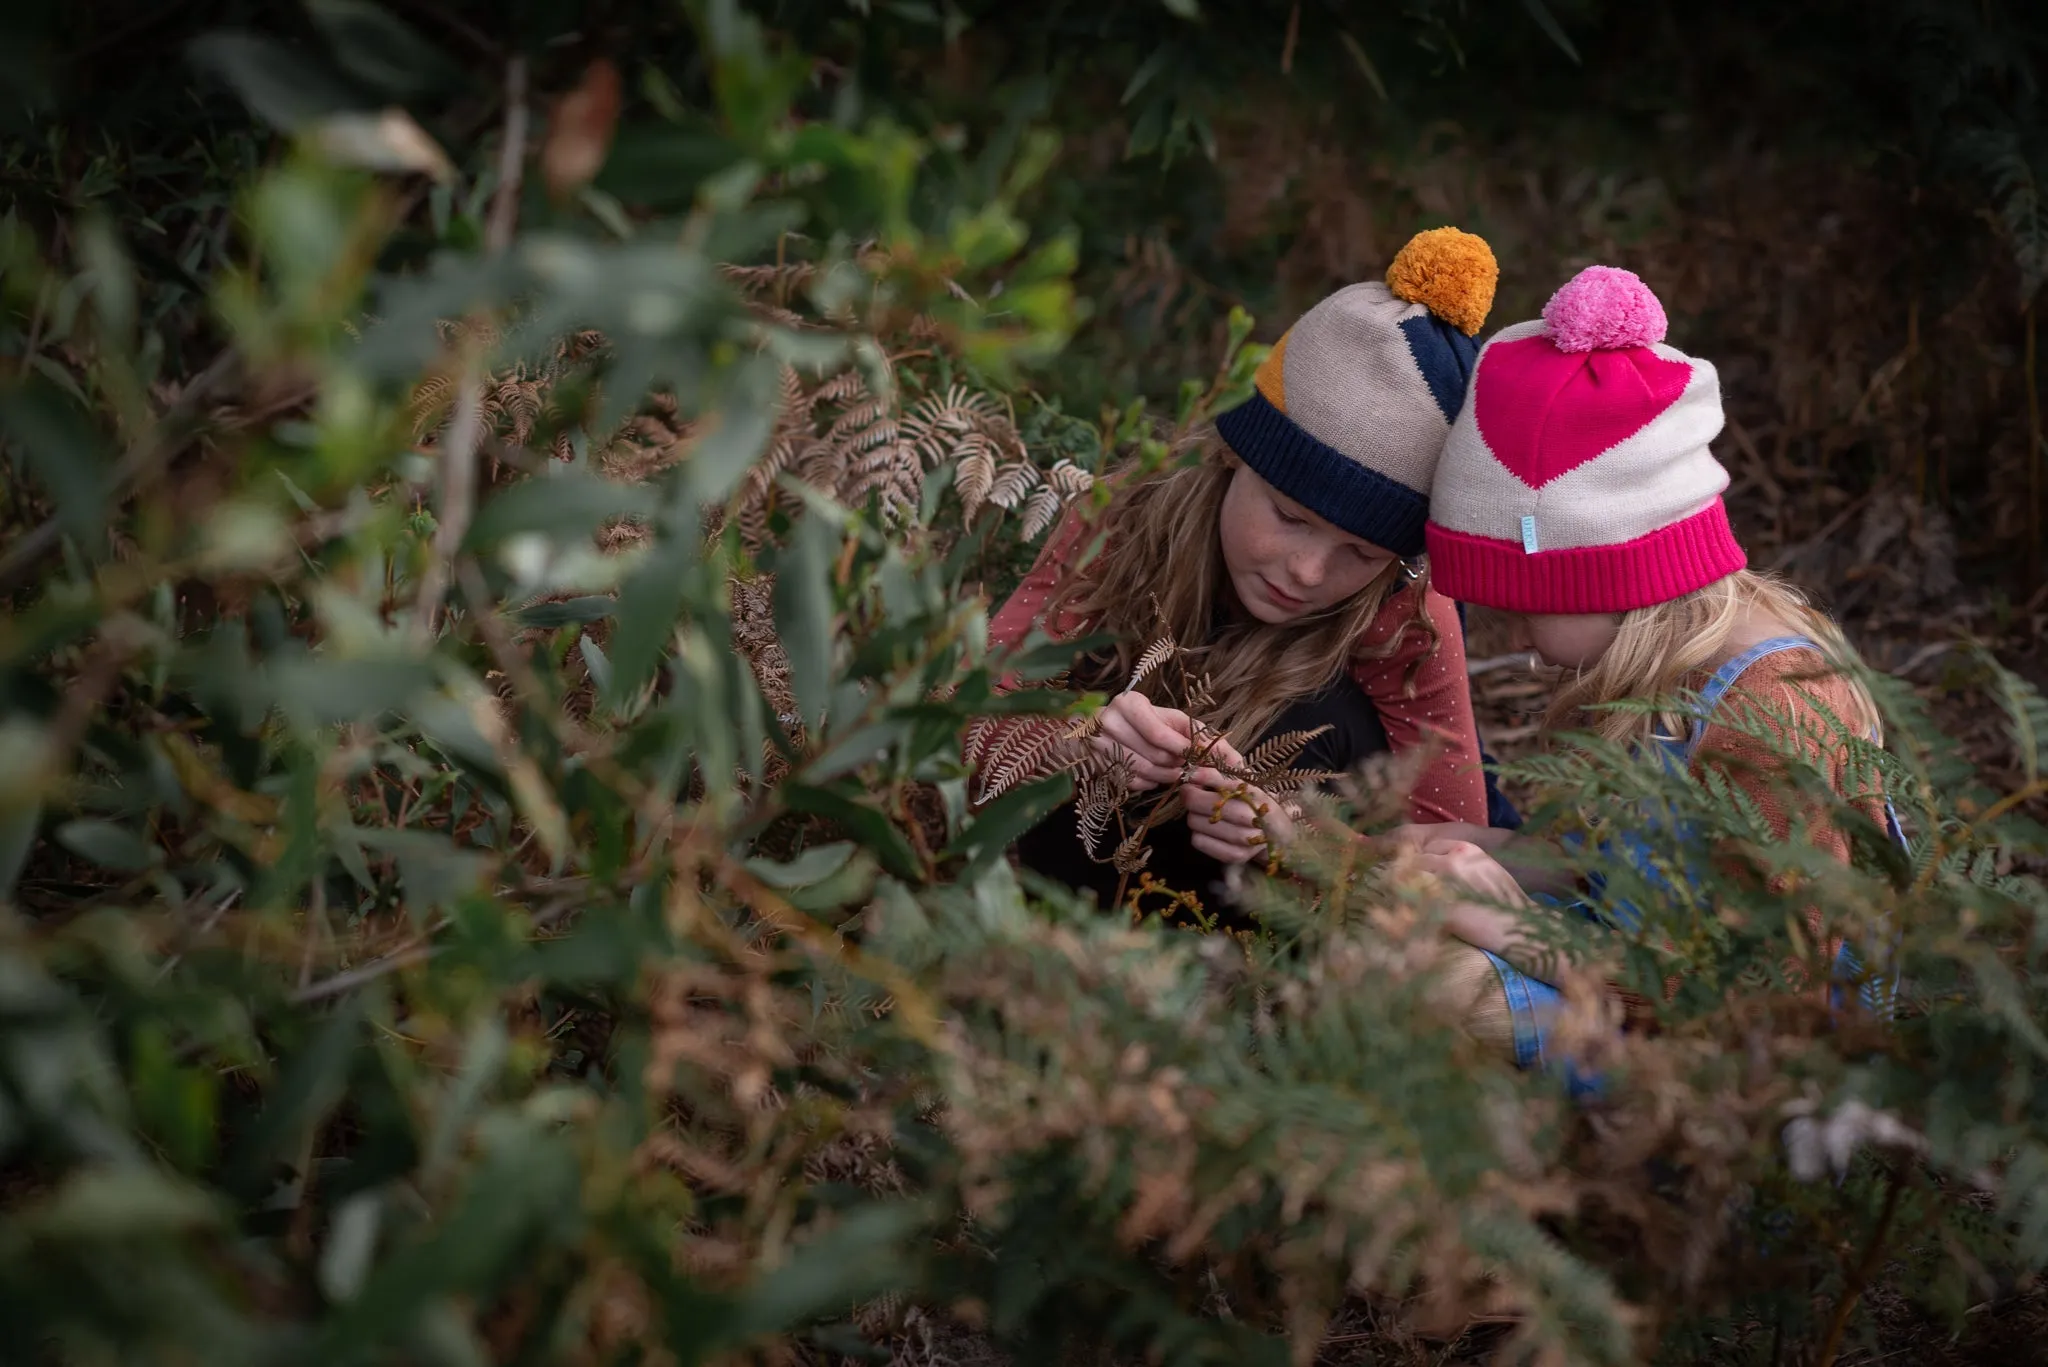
[(1484, 921), (1488, 838), (1465, 864), (1230, 822), (1155, 739)]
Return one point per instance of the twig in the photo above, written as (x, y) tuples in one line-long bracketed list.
[(511, 161), (1833, 525), (1521, 659), (205, 929), (368, 973), (1859, 1276), (2034, 440), (465, 429), (140, 460)]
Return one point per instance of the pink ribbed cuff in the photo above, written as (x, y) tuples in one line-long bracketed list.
[(1668, 563)]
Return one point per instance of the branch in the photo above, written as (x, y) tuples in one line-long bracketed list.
[(465, 430), (166, 437), (1859, 1276)]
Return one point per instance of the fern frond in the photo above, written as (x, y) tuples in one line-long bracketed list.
[(1156, 654), (1012, 483), (1041, 510), (1070, 479), (973, 477), (1276, 753)]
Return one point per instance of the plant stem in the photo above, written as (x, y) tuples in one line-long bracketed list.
[(465, 430), (2033, 458), (1859, 1276)]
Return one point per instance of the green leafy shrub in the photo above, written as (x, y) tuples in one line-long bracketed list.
[(488, 874)]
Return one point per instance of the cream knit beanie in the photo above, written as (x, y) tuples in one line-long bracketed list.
[(1577, 477)]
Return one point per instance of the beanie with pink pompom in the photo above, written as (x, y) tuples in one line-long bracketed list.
[(1577, 477)]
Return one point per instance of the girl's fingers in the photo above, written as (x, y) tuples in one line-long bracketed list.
[(1212, 743), (1226, 851), (1116, 737), (1224, 800), (1165, 730), (1144, 773)]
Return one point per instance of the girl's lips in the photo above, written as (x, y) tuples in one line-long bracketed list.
[(1285, 600)]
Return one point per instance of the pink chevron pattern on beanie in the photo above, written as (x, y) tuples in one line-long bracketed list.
[(1578, 478), (1540, 426)]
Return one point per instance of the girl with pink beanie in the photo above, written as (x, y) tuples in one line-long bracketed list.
[(1577, 495)]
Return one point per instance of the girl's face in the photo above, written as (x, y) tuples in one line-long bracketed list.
[(1569, 640), (1284, 561)]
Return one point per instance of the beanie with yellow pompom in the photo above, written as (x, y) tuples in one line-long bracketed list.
[(1350, 411)]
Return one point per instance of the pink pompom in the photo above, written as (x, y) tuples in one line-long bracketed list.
[(1603, 308)]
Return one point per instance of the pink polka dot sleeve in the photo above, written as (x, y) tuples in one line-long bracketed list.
[(1437, 714), (1013, 621), (990, 739)]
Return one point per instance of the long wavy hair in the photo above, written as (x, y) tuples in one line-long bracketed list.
[(1662, 649), (1161, 544)]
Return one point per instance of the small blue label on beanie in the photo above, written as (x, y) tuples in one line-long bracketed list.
[(1529, 546)]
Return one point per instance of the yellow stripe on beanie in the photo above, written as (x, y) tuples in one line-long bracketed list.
[(1271, 376)]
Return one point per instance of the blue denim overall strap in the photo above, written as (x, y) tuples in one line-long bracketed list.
[(1533, 1003)]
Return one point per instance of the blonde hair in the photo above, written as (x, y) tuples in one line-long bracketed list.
[(1162, 545), (1660, 647)]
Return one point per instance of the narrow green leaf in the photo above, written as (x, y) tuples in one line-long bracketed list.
[(570, 612), (64, 454), (738, 434), (804, 612), (813, 865), (351, 1245), (866, 824), (1363, 63), (319, 690), (997, 825), (283, 87), (594, 660), (572, 504), (482, 1057), (109, 846), (310, 1085), (119, 1204), (1553, 30), (433, 868), (863, 745), (649, 602), (378, 49), (18, 828)]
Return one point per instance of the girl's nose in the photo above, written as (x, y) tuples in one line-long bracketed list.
[(1307, 568)]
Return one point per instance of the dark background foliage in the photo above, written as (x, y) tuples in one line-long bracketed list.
[(341, 1023)]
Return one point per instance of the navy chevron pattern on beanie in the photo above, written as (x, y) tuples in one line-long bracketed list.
[(1445, 356), (1353, 404)]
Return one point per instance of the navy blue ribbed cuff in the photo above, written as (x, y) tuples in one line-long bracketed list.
[(1323, 479)]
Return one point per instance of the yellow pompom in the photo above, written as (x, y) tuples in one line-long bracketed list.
[(1448, 272)]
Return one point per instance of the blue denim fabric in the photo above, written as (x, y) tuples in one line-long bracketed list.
[(1531, 1003)]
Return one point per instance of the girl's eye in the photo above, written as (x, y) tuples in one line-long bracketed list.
[(1289, 518)]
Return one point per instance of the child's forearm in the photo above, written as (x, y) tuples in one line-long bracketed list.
[(1484, 927), (1536, 866)]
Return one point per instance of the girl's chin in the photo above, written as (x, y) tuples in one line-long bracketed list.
[(1266, 608)]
